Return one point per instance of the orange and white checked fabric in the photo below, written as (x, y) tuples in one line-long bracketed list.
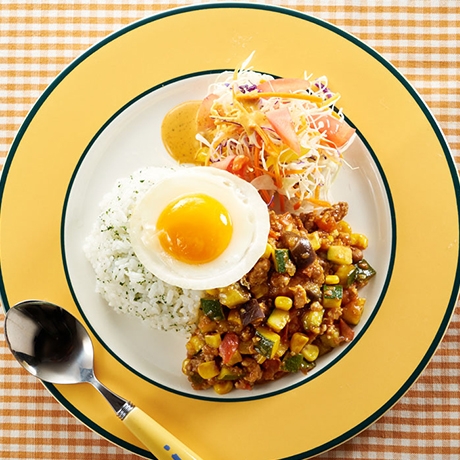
[(421, 38)]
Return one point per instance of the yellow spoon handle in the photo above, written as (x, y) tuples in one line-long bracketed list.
[(157, 439)]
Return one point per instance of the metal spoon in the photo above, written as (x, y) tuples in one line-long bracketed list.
[(53, 346)]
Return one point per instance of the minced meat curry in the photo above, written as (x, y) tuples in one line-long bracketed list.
[(299, 301)]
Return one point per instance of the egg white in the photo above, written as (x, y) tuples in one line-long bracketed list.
[(247, 210)]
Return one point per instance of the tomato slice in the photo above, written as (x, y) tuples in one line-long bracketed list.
[(337, 131), (225, 164), (203, 117), (228, 346), (282, 123), (346, 331)]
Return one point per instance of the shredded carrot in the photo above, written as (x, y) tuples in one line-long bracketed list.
[(297, 205), (242, 129), (277, 176), (255, 161), (282, 203), (265, 195), (265, 95), (318, 202), (266, 172)]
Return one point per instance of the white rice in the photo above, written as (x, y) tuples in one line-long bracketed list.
[(121, 279)]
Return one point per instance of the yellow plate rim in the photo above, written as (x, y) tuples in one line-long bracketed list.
[(448, 158)]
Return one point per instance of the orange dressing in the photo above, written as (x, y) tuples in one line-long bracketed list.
[(178, 132)]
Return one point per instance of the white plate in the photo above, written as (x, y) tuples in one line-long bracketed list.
[(132, 140)]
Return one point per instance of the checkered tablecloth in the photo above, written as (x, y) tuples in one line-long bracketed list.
[(421, 38)]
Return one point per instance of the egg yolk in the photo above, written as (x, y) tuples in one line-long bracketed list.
[(195, 229)]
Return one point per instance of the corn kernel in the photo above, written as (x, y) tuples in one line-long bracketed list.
[(344, 227), (184, 366), (208, 370), (201, 156), (332, 279), (224, 387), (310, 352), (283, 303), (268, 251), (359, 240), (194, 345)]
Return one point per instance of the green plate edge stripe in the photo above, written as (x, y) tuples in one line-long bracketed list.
[(301, 15)]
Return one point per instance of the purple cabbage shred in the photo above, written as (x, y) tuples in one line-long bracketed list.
[(247, 88), (324, 89)]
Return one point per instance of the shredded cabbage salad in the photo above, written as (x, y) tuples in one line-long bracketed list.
[(285, 136)]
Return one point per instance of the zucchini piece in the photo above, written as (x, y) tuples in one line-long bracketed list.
[(307, 366), (280, 259), (267, 343), (298, 341), (359, 240), (315, 240), (353, 311), (332, 295), (227, 373), (312, 319), (212, 308), (278, 319), (341, 255), (364, 272), (213, 340), (196, 379), (259, 290), (235, 358), (346, 274), (282, 349), (246, 347), (331, 339), (234, 318), (233, 295), (292, 363)]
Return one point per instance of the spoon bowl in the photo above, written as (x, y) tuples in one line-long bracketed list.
[(48, 342), (53, 345)]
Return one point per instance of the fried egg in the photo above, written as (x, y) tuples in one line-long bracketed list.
[(200, 228)]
